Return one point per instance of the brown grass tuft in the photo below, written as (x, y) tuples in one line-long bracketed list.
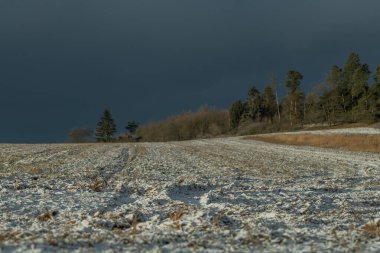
[(372, 228), (44, 217), (216, 219), (98, 185), (176, 216), (10, 236), (352, 142), (134, 223)]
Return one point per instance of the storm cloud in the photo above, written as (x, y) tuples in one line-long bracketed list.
[(62, 62)]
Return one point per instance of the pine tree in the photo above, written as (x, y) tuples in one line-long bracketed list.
[(333, 97), (312, 108), (352, 64), (359, 93), (328, 105), (253, 106), (132, 127), (359, 82), (374, 95), (106, 128), (269, 103), (236, 111), (293, 102), (273, 83), (293, 80)]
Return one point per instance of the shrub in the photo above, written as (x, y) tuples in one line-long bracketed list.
[(189, 125), (80, 135)]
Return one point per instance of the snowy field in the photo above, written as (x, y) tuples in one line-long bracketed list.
[(214, 195)]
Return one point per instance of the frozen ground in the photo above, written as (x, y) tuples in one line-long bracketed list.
[(206, 195)]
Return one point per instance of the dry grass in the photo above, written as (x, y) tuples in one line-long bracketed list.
[(134, 223), (372, 228), (352, 142), (44, 217), (98, 185), (14, 235), (176, 216), (216, 219)]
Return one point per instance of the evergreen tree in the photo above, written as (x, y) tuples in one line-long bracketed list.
[(329, 106), (293, 80), (132, 127), (359, 83), (374, 95), (360, 93), (293, 102), (312, 109), (352, 64), (376, 75), (253, 108), (236, 111), (269, 103), (106, 128), (333, 97), (334, 77)]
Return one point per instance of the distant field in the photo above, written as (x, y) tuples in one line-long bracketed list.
[(352, 142)]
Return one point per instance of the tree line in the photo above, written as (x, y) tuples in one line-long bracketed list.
[(204, 123), (347, 95), (105, 131)]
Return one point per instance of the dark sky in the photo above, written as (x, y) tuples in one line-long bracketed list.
[(63, 61)]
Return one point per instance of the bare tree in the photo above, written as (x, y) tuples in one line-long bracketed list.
[(80, 135)]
